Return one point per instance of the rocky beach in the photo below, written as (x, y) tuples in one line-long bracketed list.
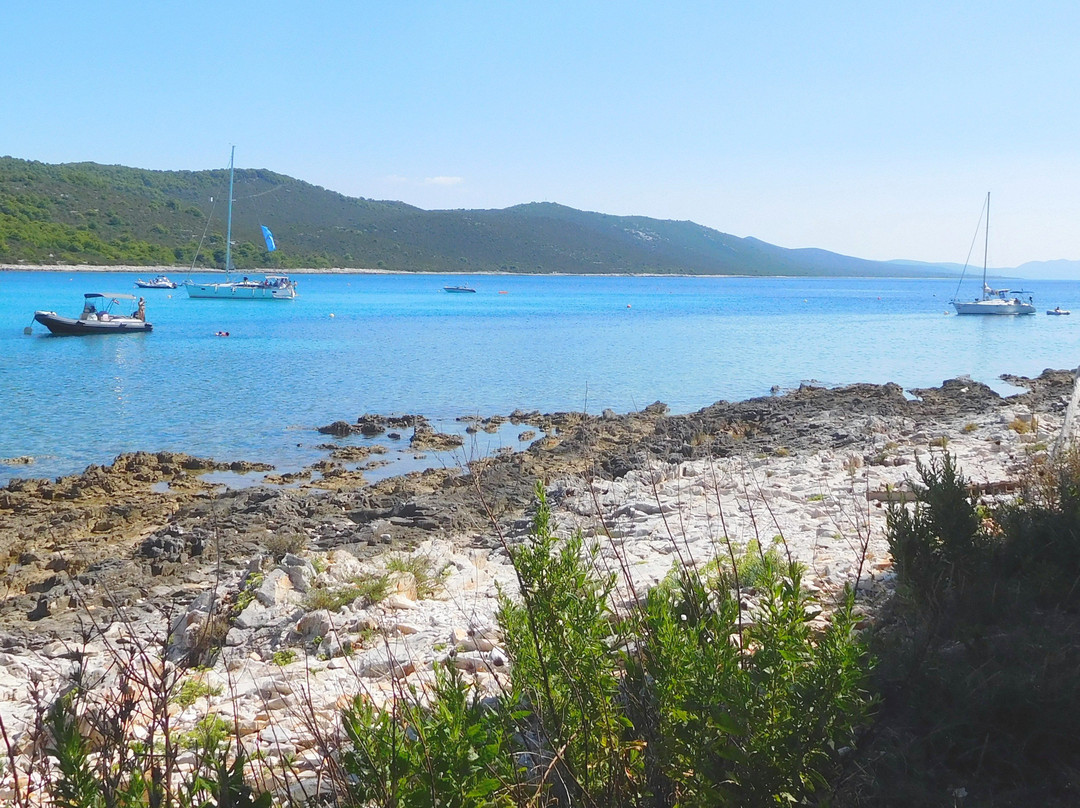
[(283, 601)]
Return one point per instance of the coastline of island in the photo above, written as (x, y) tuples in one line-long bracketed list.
[(143, 548)]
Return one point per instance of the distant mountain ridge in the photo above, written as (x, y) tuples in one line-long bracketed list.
[(97, 214)]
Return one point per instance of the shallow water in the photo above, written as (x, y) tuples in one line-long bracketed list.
[(351, 344)]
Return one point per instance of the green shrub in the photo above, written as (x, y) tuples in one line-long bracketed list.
[(736, 715), (936, 544), (680, 701), (193, 689), (561, 643), (978, 655), (284, 657), (455, 753), (116, 770)]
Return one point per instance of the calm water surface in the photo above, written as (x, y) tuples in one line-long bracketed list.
[(351, 344)]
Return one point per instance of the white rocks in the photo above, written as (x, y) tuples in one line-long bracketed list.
[(301, 572), (399, 601), (314, 624), (276, 588), (642, 524)]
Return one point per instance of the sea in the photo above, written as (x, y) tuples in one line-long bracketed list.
[(394, 344)]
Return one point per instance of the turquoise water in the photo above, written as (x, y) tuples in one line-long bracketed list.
[(351, 344)]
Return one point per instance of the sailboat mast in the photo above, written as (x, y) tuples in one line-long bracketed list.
[(986, 242), (228, 228)]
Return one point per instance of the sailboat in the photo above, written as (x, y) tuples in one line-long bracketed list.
[(269, 287), (993, 301)]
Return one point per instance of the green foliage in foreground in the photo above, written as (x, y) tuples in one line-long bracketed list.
[(679, 702), (118, 772), (980, 651)]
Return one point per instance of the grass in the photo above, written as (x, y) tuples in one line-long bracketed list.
[(368, 589), (1023, 426), (422, 568)]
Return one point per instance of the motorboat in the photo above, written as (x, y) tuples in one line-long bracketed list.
[(98, 317), (993, 301), (269, 287), (160, 282), (459, 289), (1057, 310)]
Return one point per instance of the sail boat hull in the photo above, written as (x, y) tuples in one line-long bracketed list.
[(994, 306), (270, 289)]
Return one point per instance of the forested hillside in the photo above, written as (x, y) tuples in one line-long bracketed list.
[(95, 214)]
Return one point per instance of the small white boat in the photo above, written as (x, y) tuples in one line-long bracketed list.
[(1058, 311), (160, 282), (459, 289), (97, 317), (993, 301)]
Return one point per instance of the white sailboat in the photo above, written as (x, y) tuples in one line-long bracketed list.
[(993, 301), (269, 287)]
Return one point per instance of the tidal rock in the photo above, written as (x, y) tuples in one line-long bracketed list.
[(339, 429)]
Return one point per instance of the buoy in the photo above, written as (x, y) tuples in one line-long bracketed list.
[(331, 314), (628, 306)]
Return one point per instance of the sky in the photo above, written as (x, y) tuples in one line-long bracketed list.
[(872, 129)]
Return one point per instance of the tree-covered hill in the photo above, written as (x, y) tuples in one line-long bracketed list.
[(96, 214)]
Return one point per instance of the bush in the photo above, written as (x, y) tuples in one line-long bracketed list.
[(936, 545), (680, 701), (455, 753), (980, 650)]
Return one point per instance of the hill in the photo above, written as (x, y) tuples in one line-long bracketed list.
[(96, 214)]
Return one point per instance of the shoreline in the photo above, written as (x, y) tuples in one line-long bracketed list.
[(161, 270), (144, 547)]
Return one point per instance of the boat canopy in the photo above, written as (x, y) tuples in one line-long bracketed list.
[(120, 295)]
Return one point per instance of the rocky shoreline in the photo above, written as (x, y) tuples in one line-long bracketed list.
[(319, 592)]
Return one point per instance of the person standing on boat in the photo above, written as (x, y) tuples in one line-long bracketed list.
[(141, 313)]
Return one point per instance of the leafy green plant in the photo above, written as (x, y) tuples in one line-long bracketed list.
[(680, 701), (284, 657), (130, 773), (453, 753), (247, 594), (192, 689), (562, 647), (736, 715)]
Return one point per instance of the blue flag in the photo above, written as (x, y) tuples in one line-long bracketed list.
[(269, 237)]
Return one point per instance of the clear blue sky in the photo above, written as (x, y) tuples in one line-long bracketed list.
[(871, 129)]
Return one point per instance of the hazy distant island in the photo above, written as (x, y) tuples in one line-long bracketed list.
[(86, 213)]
